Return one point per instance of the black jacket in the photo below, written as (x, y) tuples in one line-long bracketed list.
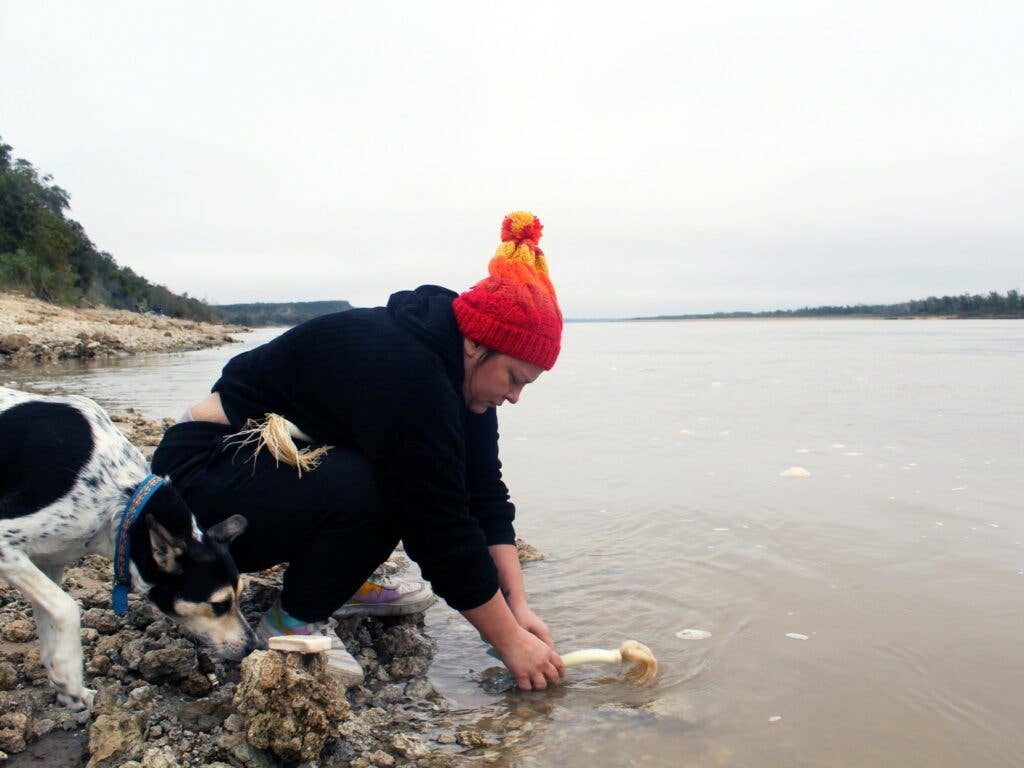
[(388, 382)]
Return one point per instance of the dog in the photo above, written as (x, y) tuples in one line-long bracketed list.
[(71, 484)]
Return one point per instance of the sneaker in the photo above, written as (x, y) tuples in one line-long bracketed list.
[(340, 663), (386, 596)]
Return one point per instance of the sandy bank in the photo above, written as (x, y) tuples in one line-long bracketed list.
[(33, 331)]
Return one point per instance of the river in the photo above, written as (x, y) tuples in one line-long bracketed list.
[(870, 613)]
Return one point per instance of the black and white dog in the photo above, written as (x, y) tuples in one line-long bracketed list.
[(71, 484)]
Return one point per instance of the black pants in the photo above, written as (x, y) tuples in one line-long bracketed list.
[(328, 525)]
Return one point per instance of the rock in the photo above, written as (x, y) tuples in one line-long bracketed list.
[(141, 694), (160, 757), (420, 689), (406, 640), (115, 737), (203, 715), (473, 737), (409, 746), (408, 666), (381, 758), (13, 728), (8, 676), (290, 703), (175, 662), (234, 723), (196, 684), (39, 728), (245, 753), (103, 621), (12, 342), (527, 552), (98, 665), (31, 667), (19, 631)]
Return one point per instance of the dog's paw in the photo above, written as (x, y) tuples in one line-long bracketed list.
[(78, 702)]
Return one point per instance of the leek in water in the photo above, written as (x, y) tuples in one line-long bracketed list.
[(643, 667)]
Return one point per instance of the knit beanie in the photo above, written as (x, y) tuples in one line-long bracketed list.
[(514, 310)]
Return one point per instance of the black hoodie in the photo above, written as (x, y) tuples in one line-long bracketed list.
[(388, 382)]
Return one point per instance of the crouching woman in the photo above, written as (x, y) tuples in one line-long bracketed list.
[(404, 397)]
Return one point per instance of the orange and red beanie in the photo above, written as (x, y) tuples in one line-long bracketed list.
[(514, 310)]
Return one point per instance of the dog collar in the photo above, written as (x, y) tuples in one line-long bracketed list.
[(122, 550)]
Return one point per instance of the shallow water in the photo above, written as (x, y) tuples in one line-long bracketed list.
[(647, 466)]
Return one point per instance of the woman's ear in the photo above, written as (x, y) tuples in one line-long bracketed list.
[(471, 349)]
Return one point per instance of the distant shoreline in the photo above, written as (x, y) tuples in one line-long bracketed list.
[(743, 318)]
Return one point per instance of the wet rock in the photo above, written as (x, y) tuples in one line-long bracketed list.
[(406, 640), (472, 737), (408, 666), (115, 737), (13, 342), (19, 631), (39, 728), (13, 728), (527, 552), (409, 746), (420, 689), (290, 703)]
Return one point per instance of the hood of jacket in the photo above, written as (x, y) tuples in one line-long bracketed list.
[(427, 314)]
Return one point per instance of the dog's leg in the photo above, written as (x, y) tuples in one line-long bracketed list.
[(43, 624), (61, 611)]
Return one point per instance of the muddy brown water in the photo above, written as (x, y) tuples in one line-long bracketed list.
[(869, 614)]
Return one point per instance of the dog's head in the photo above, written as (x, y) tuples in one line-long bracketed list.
[(191, 576)]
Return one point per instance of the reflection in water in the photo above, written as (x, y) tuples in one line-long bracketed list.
[(646, 466)]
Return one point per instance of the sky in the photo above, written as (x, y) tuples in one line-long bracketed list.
[(683, 156)]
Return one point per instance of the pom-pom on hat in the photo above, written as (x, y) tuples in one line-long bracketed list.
[(514, 310)]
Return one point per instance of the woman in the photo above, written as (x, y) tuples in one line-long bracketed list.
[(405, 396)]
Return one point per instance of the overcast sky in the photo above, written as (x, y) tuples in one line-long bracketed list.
[(683, 156)]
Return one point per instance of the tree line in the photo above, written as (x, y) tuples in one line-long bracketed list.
[(47, 254), (289, 313), (992, 305)]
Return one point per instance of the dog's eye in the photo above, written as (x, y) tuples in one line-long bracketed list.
[(221, 607)]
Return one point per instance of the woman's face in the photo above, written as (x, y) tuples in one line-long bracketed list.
[(490, 382)]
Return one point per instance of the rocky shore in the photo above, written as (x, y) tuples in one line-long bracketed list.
[(33, 331), (162, 702)]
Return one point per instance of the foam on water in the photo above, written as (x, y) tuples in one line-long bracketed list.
[(796, 472), (693, 634)]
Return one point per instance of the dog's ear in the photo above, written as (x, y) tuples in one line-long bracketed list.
[(167, 548), (228, 530)]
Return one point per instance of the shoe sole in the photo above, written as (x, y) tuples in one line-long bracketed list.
[(386, 609), (345, 670)]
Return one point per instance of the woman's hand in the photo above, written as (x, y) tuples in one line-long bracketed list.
[(531, 661), (532, 623)]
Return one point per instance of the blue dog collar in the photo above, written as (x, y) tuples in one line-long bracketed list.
[(122, 549)]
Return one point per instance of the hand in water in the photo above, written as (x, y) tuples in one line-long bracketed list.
[(532, 663)]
